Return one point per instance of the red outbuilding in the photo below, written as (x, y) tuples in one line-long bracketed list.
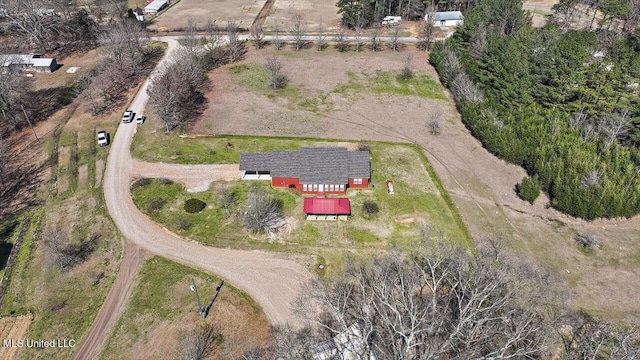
[(327, 209)]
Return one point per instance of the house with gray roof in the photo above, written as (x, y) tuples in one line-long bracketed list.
[(311, 170)]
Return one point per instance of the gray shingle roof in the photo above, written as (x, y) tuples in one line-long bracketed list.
[(447, 15), (312, 165)]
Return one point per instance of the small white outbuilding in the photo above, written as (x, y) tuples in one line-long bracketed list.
[(155, 6), (445, 18)]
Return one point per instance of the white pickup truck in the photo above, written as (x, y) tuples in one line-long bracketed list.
[(128, 116)]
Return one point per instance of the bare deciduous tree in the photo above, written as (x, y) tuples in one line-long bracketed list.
[(358, 39), (592, 178), (15, 102), (228, 198), (614, 126), (124, 45), (200, 342), (64, 253), (321, 39), (257, 36), (395, 39), (407, 72), (277, 78), (262, 213), (175, 94), (586, 337), (297, 30), (442, 303), (426, 29), (464, 89), (277, 41), (478, 42), (236, 48), (341, 42), (374, 38)]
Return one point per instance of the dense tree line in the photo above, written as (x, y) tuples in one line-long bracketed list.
[(562, 104)]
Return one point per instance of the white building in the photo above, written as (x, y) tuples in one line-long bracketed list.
[(445, 18), (348, 345), (17, 63), (392, 20), (155, 6)]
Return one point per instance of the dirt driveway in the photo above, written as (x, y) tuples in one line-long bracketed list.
[(482, 186), (273, 280)]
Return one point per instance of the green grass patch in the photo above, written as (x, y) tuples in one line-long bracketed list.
[(256, 77), (151, 145), (390, 83)]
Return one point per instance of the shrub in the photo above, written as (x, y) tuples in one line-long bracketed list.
[(370, 208), (183, 224), (528, 189), (142, 182), (165, 181), (588, 241), (156, 204), (193, 206)]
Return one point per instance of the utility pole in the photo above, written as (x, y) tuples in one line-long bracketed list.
[(194, 288), (29, 121)]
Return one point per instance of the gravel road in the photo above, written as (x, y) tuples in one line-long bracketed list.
[(273, 280)]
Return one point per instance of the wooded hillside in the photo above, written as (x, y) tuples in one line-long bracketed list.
[(562, 104)]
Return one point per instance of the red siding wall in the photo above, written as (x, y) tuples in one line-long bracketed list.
[(365, 183), (286, 183)]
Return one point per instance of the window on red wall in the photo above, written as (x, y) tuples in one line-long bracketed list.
[(315, 187), (341, 187), (304, 187), (357, 181)]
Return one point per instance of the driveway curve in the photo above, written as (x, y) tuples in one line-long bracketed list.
[(273, 280)]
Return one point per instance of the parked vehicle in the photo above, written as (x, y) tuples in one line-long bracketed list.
[(128, 116), (141, 119), (103, 138)]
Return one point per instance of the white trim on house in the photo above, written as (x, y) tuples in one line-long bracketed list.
[(255, 175)]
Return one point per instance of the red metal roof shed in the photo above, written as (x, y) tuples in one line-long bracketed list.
[(324, 206)]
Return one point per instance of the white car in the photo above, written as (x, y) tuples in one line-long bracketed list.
[(141, 119), (128, 116), (103, 138)]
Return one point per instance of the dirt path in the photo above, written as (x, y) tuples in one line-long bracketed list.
[(273, 280), (95, 338), (195, 177), (262, 15)]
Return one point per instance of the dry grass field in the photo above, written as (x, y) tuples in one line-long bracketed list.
[(312, 11), (201, 11), (13, 328)]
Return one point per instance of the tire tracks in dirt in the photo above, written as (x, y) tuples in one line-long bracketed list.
[(262, 16)]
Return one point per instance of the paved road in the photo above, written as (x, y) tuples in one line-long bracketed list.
[(273, 280)]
